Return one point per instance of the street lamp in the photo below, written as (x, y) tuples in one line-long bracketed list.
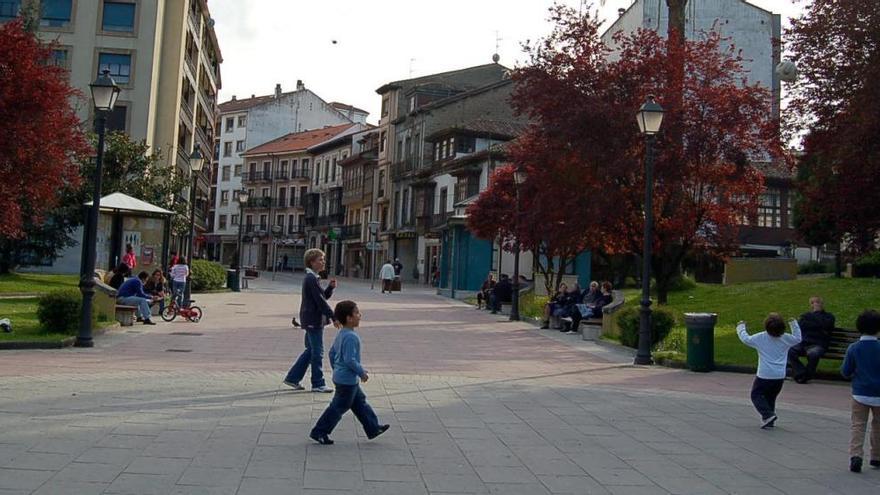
[(519, 178), (649, 117), (104, 94), (373, 227), (196, 160), (242, 201)]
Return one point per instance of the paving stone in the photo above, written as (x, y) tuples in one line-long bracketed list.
[(71, 488), (333, 480), (23, 479)]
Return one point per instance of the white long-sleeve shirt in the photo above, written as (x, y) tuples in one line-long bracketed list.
[(772, 351)]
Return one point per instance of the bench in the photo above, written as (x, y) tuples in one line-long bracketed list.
[(125, 315), (841, 338), (594, 327)]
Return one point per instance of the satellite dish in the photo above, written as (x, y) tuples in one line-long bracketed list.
[(787, 71)]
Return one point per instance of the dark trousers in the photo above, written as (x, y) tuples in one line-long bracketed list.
[(311, 356), (481, 298), (347, 397), (764, 393), (576, 317), (813, 353)]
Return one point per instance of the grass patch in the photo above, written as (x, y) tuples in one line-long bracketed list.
[(532, 305), (25, 326), (35, 283), (845, 298)]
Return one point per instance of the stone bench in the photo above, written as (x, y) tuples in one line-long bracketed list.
[(592, 328), (125, 315)]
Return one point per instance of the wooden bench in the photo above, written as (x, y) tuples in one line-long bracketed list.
[(841, 338), (125, 315)]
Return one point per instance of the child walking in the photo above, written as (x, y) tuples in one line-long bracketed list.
[(345, 356), (862, 364), (772, 345)]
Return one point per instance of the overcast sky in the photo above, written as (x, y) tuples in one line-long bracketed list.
[(265, 42)]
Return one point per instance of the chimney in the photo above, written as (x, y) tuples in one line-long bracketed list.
[(621, 11), (253, 95), (233, 97), (278, 91), (299, 85)]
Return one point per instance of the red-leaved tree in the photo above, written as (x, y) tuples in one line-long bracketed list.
[(582, 101), (42, 140), (836, 45)]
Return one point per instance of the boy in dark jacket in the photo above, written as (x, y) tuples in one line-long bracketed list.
[(862, 364), (345, 357)]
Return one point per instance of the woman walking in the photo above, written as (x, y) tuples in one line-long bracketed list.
[(314, 314)]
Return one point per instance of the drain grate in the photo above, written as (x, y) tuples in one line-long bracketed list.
[(190, 334), (178, 350)]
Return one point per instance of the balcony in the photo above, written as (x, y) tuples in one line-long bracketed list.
[(439, 220), (297, 230), (264, 202), (332, 219), (260, 176), (281, 175), (300, 173), (256, 228), (351, 232), (401, 168)]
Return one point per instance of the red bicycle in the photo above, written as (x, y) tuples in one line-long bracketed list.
[(190, 312)]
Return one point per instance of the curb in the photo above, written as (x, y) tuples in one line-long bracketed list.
[(17, 345)]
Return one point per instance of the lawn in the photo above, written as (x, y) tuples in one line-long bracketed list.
[(34, 283), (845, 297), (25, 326)]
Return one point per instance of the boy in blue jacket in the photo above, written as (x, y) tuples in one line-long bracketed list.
[(345, 357), (862, 364)]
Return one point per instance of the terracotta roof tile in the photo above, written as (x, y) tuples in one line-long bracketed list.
[(299, 141)]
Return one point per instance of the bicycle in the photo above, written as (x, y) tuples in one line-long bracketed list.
[(190, 312)]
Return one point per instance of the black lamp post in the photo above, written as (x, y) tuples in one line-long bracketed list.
[(243, 196), (373, 227), (519, 178), (104, 94), (650, 116), (196, 160)]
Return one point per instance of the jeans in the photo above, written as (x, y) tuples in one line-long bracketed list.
[(143, 305), (812, 351), (179, 288), (764, 393), (347, 397), (311, 356), (860, 427)]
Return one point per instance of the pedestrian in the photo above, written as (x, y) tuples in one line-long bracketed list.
[(179, 274), (501, 293), (129, 258), (485, 291), (398, 267), (131, 293), (284, 260), (345, 358), (386, 274), (862, 364), (772, 345), (314, 314), (816, 325)]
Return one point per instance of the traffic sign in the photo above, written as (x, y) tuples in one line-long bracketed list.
[(373, 246)]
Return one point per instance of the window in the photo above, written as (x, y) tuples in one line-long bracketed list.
[(249, 220), (239, 146), (291, 222), (234, 220), (769, 210), (118, 17), (384, 106), (466, 145), (55, 13), (242, 120), (333, 170), (265, 192), (317, 172), (279, 221), (117, 119), (118, 64), (226, 169), (224, 198), (9, 10), (237, 171), (59, 57), (412, 103), (222, 222), (230, 122), (235, 195), (227, 148), (264, 222), (382, 140)]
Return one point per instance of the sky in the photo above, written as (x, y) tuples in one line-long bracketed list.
[(266, 42)]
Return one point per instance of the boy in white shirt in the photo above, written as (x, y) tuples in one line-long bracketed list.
[(772, 346)]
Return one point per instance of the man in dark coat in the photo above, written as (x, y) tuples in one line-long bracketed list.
[(816, 327), (501, 293)]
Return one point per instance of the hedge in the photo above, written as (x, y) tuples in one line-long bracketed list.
[(207, 275), (868, 265), (59, 311), (628, 319)]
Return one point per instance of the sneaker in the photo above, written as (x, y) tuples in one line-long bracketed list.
[(324, 389), (382, 429), (322, 439), (545, 326), (570, 332), (855, 464), (293, 385), (769, 422), (149, 322), (138, 319)]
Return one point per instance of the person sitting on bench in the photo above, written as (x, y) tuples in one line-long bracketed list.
[(590, 310), (131, 293), (555, 305), (485, 290), (501, 293), (816, 327)]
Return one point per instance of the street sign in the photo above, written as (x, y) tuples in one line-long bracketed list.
[(373, 246)]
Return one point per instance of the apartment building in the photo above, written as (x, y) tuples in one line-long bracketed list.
[(400, 151), (247, 123), (165, 57), (279, 178), (360, 187)]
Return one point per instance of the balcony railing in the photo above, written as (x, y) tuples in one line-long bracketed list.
[(296, 230), (260, 176), (401, 168), (281, 175), (351, 231), (256, 227), (264, 202), (300, 173), (439, 220), (332, 219)]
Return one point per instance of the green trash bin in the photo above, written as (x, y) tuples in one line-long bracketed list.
[(700, 341), (232, 280)]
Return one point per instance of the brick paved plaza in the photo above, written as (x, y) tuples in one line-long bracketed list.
[(477, 405)]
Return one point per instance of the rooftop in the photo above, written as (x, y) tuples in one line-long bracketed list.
[(298, 141)]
